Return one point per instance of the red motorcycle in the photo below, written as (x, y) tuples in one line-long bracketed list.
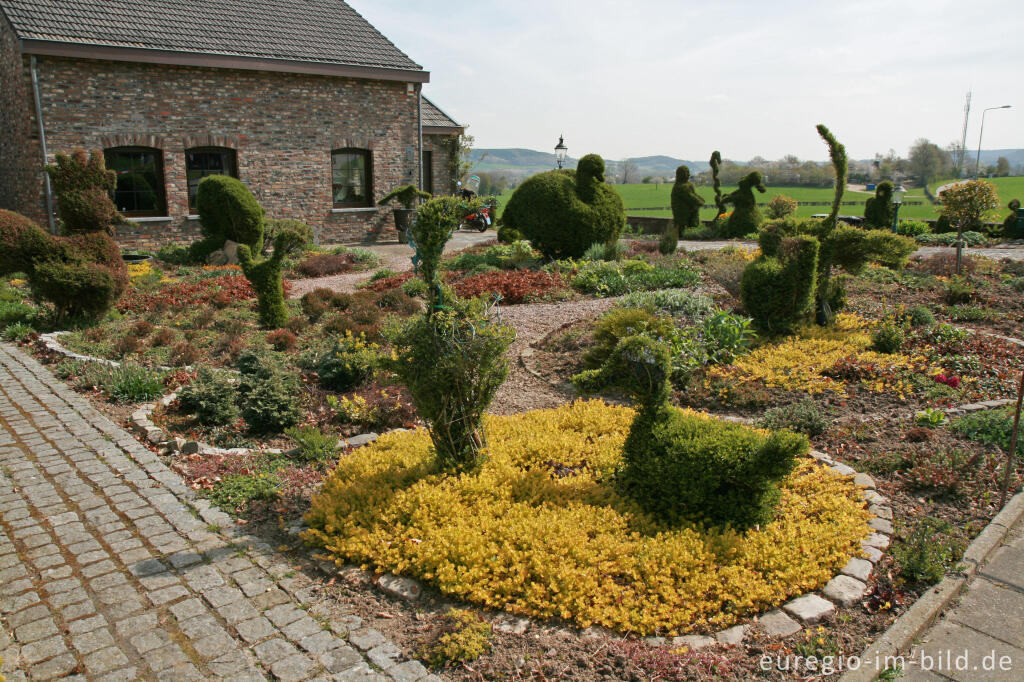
[(477, 216)]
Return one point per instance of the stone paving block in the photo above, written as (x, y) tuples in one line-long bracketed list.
[(122, 675), (1005, 566), (229, 663), (809, 608), (58, 667), (82, 609), (36, 630), (150, 640), (87, 624), (26, 616), (125, 608), (255, 629), (167, 594), (304, 627), (238, 611), (188, 609), (274, 650), (292, 669), (385, 655), (200, 626), (43, 649), (219, 596), (858, 568), (778, 624), (284, 614), (845, 590), (215, 645), (92, 641), (340, 659), (319, 642), (366, 638)]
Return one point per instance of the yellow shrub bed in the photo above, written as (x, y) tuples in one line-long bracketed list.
[(798, 362), (540, 531)]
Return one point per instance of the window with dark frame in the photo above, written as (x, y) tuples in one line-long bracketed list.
[(203, 161), (140, 190), (352, 178)]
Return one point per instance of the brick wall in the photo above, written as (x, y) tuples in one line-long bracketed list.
[(21, 157), (283, 127)]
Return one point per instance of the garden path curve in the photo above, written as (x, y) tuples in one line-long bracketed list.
[(112, 569)]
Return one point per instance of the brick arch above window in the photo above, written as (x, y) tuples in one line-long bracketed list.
[(210, 140), (366, 143), (133, 140)]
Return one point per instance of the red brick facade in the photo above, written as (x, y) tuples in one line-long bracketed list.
[(282, 126)]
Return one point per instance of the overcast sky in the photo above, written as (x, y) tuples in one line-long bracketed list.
[(642, 77)]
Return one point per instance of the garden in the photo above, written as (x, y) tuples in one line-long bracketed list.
[(730, 430)]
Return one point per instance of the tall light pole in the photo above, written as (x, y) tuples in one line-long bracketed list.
[(977, 163), (560, 150)]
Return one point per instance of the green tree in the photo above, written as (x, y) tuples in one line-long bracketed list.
[(928, 161), (966, 205), (1002, 167), (457, 149)]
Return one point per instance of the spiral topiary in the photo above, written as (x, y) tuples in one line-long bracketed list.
[(745, 217), (878, 210), (563, 212), (688, 467), (715, 163)]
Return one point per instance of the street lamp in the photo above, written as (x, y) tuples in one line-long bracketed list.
[(977, 164), (560, 150), (897, 201)]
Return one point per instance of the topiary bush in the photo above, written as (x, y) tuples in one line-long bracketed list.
[(746, 217), (686, 467), (781, 206), (778, 288), (669, 241), (878, 210), (563, 212), (265, 277), (81, 274), (272, 228), (227, 210), (82, 185), (508, 235), (1013, 225), (685, 203)]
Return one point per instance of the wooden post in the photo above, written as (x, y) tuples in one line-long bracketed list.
[(1013, 442)]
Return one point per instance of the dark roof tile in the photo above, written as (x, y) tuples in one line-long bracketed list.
[(433, 117), (322, 31)]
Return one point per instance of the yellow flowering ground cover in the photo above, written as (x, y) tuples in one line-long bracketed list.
[(800, 362), (540, 531)]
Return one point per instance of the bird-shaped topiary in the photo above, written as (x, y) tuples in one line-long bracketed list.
[(564, 212), (746, 217), (687, 467), (1013, 226), (778, 288)]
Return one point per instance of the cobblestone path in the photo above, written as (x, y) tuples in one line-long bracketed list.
[(111, 569)]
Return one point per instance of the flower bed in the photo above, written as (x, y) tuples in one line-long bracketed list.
[(540, 530)]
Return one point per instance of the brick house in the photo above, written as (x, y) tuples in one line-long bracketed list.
[(302, 100)]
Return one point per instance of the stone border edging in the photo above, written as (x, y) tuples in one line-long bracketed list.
[(901, 635)]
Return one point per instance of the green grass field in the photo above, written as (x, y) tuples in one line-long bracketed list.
[(656, 196)]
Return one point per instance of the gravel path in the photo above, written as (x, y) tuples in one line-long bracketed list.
[(522, 391)]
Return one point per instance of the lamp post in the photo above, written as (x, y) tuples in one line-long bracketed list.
[(897, 201), (977, 163), (560, 150)]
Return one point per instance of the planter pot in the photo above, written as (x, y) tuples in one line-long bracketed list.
[(403, 219)]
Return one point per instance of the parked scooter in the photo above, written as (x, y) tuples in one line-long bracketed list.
[(478, 217)]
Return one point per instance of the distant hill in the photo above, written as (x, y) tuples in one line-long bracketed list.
[(990, 156), (528, 161)]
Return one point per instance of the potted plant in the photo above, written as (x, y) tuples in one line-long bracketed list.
[(406, 195)]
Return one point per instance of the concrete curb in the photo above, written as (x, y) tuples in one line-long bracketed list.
[(899, 638)]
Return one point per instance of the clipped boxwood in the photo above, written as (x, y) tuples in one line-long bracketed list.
[(563, 212), (228, 210)]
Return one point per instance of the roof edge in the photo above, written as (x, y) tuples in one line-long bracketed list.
[(57, 48), (447, 115), (444, 130)]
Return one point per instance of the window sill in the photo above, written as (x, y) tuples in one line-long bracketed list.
[(149, 219), (360, 209), (192, 217)]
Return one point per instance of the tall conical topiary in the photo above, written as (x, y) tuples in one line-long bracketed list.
[(837, 152)]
